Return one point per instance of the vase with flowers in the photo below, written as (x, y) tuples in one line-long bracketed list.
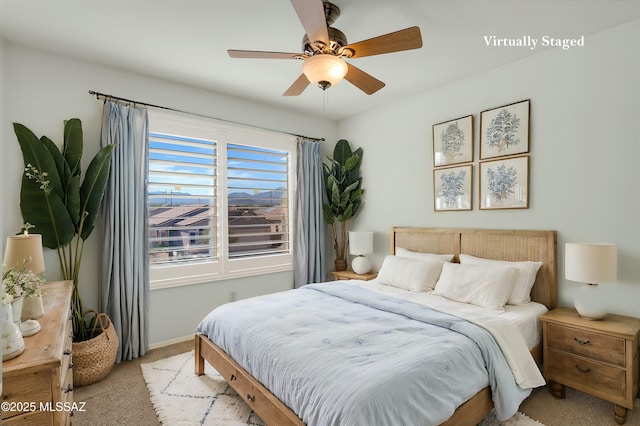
[(19, 283)]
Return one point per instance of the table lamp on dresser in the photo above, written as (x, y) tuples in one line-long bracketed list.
[(592, 264)]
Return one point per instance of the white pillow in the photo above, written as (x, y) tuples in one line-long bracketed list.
[(402, 252), (483, 285), (410, 274), (527, 271)]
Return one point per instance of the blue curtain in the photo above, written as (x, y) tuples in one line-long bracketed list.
[(124, 278), (309, 257)]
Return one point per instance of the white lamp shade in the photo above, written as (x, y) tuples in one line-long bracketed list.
[(591, 263), (360, 243), (324, 67), (21, 247)]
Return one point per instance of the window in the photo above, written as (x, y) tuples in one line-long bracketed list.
[(219, 200), (257, 201), (181, 199)]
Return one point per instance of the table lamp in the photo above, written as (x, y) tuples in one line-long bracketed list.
[(360, 244), (592, 264), (18, 249), (24, 247)]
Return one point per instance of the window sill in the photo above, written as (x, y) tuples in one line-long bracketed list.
[(208, 278)]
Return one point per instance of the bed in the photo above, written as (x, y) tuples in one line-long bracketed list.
[(507, 245)]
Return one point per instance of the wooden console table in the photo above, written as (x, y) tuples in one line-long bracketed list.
[(38, 384)]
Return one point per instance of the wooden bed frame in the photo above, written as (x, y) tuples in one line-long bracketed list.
[(511, 245)]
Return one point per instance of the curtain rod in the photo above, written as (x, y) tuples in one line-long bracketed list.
[(99, 95)]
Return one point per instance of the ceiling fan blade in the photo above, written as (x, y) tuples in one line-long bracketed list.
[(297, 87), (311, 15), (363, 81), (406, 39), (258, 54)]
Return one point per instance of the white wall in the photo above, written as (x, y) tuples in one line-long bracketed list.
[(41, 90), (585, 154)]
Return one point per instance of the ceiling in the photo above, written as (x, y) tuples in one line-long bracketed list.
[(186, 41)]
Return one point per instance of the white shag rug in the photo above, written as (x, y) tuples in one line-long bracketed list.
[(180, 398)]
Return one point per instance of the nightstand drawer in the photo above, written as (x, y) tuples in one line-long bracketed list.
[(583, 373), (596, 346)]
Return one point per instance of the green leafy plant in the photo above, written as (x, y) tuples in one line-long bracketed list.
[(343, 186), (61, 206)]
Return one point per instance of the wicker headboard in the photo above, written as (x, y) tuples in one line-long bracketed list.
[(512, 245)]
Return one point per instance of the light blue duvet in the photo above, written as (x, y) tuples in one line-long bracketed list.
[(337, 354)]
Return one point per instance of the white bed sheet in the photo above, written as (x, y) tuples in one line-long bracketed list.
[(524, 317)]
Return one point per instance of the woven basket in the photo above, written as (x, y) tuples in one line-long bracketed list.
[(94, 358)]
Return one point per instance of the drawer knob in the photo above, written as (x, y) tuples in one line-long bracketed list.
[(233, 377), (251, 397), (581, 342), (68, 389), (70, 365), (67, 352), (583, 370)]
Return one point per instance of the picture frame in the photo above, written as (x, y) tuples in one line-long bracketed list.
[(504, 183), (504, 131), (453, 141), (452, 188)]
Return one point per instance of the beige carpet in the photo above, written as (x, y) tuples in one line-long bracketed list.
[(578, 409), (182, 399), (122, 398)]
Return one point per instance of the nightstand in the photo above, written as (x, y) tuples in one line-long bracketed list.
[(596, 357), (350, 275)]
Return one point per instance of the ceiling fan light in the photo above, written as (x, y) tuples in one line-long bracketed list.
[(324, 70)]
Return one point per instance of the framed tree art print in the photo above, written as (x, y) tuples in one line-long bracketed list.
[(453, 141), (504, 131), (504, 184), (452, 188)]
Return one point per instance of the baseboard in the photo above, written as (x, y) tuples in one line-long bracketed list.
[(171, 341)]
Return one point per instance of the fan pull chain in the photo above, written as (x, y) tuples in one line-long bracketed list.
[(325, 100)]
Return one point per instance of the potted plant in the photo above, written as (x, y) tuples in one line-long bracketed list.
[(63, 207), (343, 186)]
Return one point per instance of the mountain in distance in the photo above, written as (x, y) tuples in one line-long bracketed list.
[(267, 198)]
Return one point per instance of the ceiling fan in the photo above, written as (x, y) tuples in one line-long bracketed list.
[(324, 48)]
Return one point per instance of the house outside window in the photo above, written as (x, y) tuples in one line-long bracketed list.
[(219, 200)]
